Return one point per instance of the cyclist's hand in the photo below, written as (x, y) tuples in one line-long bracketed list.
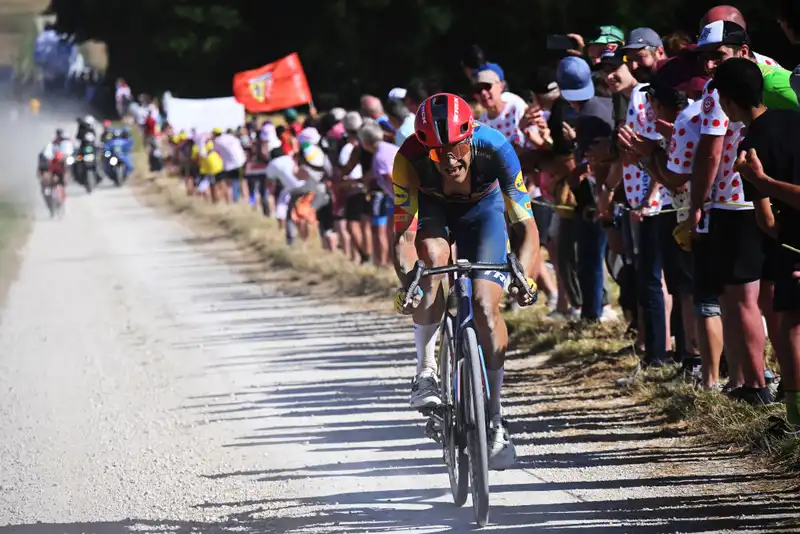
[(523, 299), (400, 299)]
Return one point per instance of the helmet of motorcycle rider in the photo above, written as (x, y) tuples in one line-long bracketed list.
[(88, 119), (117, 134), (106, 124)]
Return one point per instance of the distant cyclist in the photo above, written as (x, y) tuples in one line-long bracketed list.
[(455, 181)]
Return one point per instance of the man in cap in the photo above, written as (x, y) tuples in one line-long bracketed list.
[(605, 37), (595, 121), (643, 50), (739, 264), (675, 97)]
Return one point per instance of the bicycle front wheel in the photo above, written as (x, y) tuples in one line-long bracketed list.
[(455, 455), (474, 402)]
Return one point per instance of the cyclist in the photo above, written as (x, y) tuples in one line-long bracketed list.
[(454, 181)]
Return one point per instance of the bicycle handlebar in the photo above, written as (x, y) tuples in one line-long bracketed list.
[(512, 266)]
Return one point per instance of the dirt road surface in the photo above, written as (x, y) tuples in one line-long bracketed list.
[(147, 386)]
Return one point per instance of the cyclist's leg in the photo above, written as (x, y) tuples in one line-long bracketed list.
[(433, 248), (481, 236)]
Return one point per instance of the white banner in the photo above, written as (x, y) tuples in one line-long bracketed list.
[(203, 114)]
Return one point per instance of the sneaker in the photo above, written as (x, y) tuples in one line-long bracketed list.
[(502, 453), (558, 316), (608, 315), (425, 391), (752, 396)]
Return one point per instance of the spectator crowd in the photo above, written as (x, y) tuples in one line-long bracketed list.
[(671, 164)]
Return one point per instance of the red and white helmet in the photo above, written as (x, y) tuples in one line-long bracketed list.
[(443, 119)]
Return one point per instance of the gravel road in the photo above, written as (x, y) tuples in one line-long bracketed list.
[(147, 386)]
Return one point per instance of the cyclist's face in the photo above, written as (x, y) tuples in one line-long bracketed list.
[(453, 160)]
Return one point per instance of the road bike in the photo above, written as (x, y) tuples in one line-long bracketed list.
[(461, 422)]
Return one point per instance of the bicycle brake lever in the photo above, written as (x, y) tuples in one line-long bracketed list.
[(519, 274), (419, 267)]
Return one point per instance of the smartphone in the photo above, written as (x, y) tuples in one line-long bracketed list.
[(561, 42)]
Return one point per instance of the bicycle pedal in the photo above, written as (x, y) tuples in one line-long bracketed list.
[(432, 432)]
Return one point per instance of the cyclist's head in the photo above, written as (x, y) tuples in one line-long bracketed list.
[(444, 124)]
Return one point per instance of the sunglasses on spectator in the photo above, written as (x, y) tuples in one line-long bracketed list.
[(457, 151), (480, 87)]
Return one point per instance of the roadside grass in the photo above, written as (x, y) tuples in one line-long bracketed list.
[(14, 227), (590, 355)]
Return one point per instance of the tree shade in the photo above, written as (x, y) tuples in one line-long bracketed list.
[(351, 47)]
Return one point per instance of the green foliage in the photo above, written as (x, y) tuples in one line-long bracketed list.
[(194, 47)]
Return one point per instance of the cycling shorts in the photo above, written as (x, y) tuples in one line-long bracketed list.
[(478, 230)]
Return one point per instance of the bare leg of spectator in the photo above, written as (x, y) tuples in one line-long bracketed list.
[(344, 237), (709, 335), (366, 229), (744, 331), (765, 296), (354, 228)]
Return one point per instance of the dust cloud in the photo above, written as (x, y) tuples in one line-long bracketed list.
[(22, 137)]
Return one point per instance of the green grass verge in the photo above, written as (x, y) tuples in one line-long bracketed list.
[(14, 227)]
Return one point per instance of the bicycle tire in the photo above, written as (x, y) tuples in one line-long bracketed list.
[(475, 403), (455, 454)]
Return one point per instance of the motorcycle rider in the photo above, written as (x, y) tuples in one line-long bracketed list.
[(85, 125), (120, 147), (108, 132)]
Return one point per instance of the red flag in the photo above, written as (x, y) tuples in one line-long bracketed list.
[(279, 85)]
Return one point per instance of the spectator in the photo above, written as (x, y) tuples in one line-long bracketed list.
[(769, 161), (380, 174), (416, 93), (351, 191), (371, 107), (595, 120), (401, 120), (604, 38), (675, 42), (643, 50)]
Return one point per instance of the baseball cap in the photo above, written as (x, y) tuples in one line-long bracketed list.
[(672, 75), (722, 32), (607, 35), (545, 81), (309, 135), (398, 93), (574, 77), (290, 114), (642, 38), (611, 57), (489, 73), (338, 113), (217, 131)]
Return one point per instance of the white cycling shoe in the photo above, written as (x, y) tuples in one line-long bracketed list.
[(425, 391), (502, 453)]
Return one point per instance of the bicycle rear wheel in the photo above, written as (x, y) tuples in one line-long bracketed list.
[(474, 404), (455, 454)]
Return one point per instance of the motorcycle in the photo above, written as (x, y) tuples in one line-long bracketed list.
[(85, 166), (114, 167)]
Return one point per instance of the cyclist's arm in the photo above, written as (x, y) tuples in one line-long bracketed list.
[(518, 207), (405, 183)]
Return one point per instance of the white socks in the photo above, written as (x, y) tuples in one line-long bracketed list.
[(495, 388), (425, 341)]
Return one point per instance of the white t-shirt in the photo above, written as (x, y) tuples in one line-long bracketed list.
[(728, 184), (122, 93), (344, 157), (727, 192), (682, 152), (282, 168), (641, 118)]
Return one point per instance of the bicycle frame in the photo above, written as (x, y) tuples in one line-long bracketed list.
[(464, 317)]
